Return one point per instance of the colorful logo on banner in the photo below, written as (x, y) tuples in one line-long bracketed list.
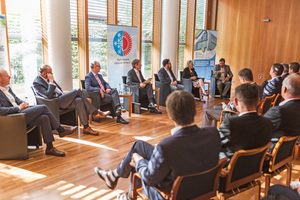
[(122, 43)]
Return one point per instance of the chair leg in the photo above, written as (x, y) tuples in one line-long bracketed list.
[(257, 195), (267, 184), (288, 176)]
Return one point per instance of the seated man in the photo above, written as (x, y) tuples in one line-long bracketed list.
[(248, 130), (294, 68), (188, 151), (166, 75), (274, 85), (35, 116), (213, 115), (135, 77), (95, 82), (222, 73), (46, 87), (286, 70), (286, 116)]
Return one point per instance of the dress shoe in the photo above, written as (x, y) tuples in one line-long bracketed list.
[(151, 105), (124, 196), (204, 94), (68, 131), (225, 98), (120, 109), (121, 120), (108, 176), (54, 152), (154, 110), (90, 131), (101, 114), (202, 100)]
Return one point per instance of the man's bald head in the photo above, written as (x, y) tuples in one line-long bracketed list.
[(4, 78), (2, 71), (292, 86)]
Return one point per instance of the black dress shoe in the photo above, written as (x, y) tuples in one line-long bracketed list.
[(151, 105), (225, 98), (108, 176), (120, 109), (121, 120), (154, 110), (68, 131), (54, 152)]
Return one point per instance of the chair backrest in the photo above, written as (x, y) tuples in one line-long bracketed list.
[(181, 72), (156, 77), (33, 90), (265, 105), (124, 78), (276, 100), (82, 84), (283, 152), (245, 166), (201, 186)]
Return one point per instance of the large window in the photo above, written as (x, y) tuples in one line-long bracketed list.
[(147, 23), (74, 43), (125, 12), (182, 34), (25, 44), (97, 11), (200, 14)]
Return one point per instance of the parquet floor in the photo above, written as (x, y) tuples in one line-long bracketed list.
[(73, 176)]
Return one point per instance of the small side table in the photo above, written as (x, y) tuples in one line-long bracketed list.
[(157, 100), (90, 116), (129, 96), (208, 90)]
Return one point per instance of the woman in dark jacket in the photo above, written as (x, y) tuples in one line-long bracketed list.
[(189, 72)]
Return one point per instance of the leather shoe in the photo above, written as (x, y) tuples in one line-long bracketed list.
[(101, 114), (68, 131), (154, 110), (121, 120), (120, 109), (90, 131), (55, 152), (107, 176), (151, 105), (124, 196)]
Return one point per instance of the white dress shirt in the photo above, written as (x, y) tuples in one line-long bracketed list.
[(9, 96), (243, 113), (168, 72), (174, 130), (285, 101), (138, 75)]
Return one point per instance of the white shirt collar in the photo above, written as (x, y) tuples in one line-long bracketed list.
[(94, 73), (4, 89), (243, 113), (285, 101), (44, 79), (174, 130)]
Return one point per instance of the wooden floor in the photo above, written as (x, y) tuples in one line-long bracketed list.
[(73, 176)]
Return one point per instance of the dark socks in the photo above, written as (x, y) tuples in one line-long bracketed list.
[(85, 126), (49, 145), (95, 112), (60, 129)]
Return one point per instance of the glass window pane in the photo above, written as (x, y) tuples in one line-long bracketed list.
[(182, 35), (74, 43), (200, 14), (125, 12)]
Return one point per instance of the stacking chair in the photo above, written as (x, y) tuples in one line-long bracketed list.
[(265, 105), (223, 113), (245, 166), (280, 160), (200, 186), (277, 100), (164, 90)]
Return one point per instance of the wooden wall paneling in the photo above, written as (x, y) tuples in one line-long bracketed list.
[(190, 30), (137, 7)]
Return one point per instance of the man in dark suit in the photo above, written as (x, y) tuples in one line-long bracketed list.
[(46, 87), (286, 116), (248, 130), (189, 150), (223, 74), (166, 75), (274, 85), (285, 72), (35, 116), (294, 68), (135, 77), (95, 82)]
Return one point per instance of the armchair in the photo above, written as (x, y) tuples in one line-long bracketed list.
[(188, 85), (164, 90), (214, 92)]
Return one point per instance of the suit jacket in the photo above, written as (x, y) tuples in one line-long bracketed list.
[(283, 76), (227, 70), (245, 132), (186, 73), (44, 89), (6, 106), (285, 119), (133, 79), (164, 77), (190, 150), (91, 83), (273, 87)]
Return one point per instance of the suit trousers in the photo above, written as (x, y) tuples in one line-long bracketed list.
[(112, 98), (212, 116), (147, 90), (124, 169), (41, 116), (76, 99), (225, 85), (178, 87)]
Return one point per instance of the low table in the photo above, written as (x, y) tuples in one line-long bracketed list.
[(208, 90), (129, 96)]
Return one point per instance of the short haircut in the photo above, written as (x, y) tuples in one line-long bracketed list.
[(246, 74), (135, 62), (189, 62), (165, 62), (181, 107), (294, 66), (285, 67), (43, 68), (222, 60), (248, 94), (278, 69), (93, 64), (292, 84)]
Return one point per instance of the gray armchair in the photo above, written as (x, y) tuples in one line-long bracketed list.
[(188, 86), (164, 90)]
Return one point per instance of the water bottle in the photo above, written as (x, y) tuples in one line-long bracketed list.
[(120, 90), (26, 100)]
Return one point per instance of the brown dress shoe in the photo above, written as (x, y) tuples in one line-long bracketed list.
[(102, 114), (68, 131), (108, 176), (55, 152), (90, 131)]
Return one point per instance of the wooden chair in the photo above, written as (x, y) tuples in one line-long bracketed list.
[(245, 166), (200, 186), (265, 105), (277, 100), (280, 160), (223, 115)]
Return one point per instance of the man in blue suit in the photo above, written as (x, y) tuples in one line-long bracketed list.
[(35, 116), (95, 82), (274, 85), (166, 75), (188, 150)]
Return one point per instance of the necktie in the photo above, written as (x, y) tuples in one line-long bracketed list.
[(97, 78), (57, 91), (139, 76)]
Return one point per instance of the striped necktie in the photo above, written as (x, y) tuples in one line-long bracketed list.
[(97, 78)]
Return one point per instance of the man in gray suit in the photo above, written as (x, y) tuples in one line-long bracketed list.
[(223, 74)]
